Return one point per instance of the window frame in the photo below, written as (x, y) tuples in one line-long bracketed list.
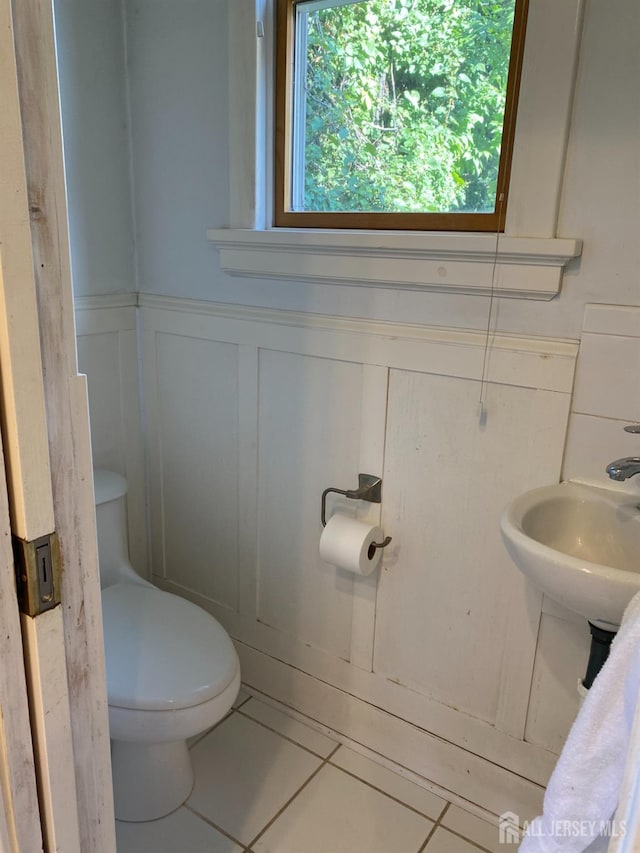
[(526, 262), (283, 216)]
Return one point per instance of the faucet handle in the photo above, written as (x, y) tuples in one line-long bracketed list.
[(633, 428)]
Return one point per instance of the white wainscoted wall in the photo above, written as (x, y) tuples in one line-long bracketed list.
[(445, 662), (250, 414), (106, 329), (257, 394)]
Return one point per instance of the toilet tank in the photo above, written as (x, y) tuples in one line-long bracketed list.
[(111, 522)]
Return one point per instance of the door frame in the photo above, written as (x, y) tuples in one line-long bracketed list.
[(20, 825), (65, 650)]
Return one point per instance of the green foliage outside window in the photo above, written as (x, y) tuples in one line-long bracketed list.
[(405, 104)]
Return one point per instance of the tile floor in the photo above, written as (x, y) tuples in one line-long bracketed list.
[(266, 783)]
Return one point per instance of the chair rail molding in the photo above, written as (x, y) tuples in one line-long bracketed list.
[(542, 363)]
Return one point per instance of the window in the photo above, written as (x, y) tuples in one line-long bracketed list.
[(530, 256), (396, 114)]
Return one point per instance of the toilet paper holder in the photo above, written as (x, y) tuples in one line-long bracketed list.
[(369, 489)]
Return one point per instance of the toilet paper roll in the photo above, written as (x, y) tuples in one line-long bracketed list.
[(345, 543)]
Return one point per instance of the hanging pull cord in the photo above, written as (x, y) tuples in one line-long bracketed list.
[(490, 333)]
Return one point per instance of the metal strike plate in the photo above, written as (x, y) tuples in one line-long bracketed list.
[(37, 563)]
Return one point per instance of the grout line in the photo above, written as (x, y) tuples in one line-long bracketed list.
[(203, 734), (440, 825), (286, 737), (437, 823), (435, 826), (293, 714), (467, 839), (393, 766), (214, 825), (387, 794), (359, 778), (291, 799), (617, 420), (244, 702)]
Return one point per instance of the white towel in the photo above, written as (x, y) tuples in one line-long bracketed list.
[(582, 794)]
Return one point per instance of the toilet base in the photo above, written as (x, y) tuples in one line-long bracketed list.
[(150, 780)]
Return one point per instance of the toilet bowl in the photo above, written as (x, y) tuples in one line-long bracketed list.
[(172, 672)]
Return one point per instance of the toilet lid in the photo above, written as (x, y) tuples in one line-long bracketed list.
[(162, 651)]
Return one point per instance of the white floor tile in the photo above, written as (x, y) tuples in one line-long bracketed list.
[(446, 842), (180, 832), (340, 814), (305, 736), (474, 828), (245, 774), (391, 783)]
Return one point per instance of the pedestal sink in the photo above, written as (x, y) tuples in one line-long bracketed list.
[(580, 545)]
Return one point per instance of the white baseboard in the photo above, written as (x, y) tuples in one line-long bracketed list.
[(450, 771), (382, 760)]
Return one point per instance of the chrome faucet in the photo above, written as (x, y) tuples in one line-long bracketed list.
[(624, 468), (628, 466)]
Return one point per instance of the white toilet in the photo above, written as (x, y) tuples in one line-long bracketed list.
[(172, 671)]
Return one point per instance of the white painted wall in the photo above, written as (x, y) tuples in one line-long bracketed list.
[(91, 69), (600, 202), (178, 58)]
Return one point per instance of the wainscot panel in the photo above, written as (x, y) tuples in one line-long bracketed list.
[(309, 439), (254, 412), (561, 661), (451, 592), (194, 499), (108, 354)]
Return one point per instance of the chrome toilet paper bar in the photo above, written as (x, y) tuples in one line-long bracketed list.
[(369, 489)]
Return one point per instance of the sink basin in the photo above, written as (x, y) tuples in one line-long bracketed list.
[(580, 545)]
